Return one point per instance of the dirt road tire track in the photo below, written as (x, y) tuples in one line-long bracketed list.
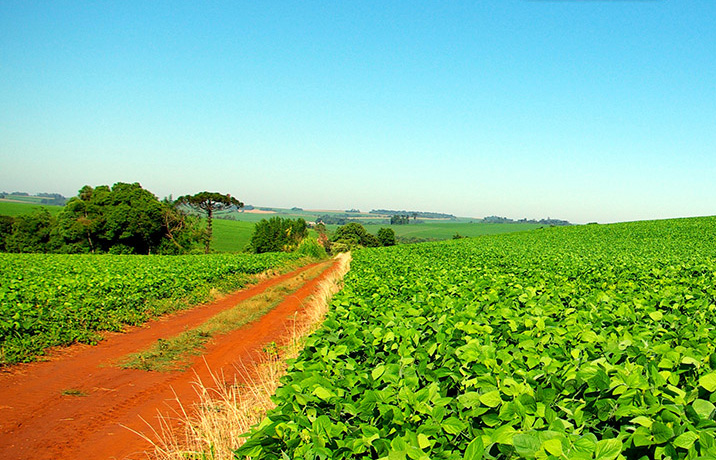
[(38, 421)]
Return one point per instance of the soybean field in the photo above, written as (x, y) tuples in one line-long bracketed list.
[(594, 342)]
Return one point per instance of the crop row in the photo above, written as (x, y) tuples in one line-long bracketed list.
[(591, 342), (48, 300)]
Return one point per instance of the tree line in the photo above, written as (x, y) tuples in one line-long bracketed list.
[(122, 219), (128, 219)]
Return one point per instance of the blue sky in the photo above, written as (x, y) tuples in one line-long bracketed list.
[(581, 110)]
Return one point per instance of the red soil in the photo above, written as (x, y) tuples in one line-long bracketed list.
[(38, 421)]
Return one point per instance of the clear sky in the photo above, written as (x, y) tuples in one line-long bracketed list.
[(580, 110)]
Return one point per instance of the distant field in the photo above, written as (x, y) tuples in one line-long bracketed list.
[(444, 231), (307, 215), (11, 208), (231, 235)]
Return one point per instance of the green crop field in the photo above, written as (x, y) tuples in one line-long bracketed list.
[(592, 342), (11, 208), (231, 235), (52, 299), (445, 230)]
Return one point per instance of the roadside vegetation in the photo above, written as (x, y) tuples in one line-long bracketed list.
[(55, 299), (587, 343)]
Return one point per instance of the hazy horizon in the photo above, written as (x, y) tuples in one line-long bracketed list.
[(583, 111)]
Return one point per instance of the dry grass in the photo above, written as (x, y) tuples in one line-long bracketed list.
[(212, 428)]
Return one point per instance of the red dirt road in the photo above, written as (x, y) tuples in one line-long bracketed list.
[(39, 422)]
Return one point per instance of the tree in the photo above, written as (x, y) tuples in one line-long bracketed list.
[(386, 236), (5, 230), (31, 233), (278, 234), (323, 236), (353, 235), (398, 219), (123, 219), (209, 202)]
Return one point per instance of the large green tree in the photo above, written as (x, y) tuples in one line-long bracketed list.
[(352, 236), (122, 219), (31, 233), (209, 202)]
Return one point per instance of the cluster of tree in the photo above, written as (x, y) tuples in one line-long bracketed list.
[(123, 219), (414, 214), (333, 219), (28, 233), (54, 199), (504, 220), (278, 234), (354, 235), (398, 219), (282, 234)]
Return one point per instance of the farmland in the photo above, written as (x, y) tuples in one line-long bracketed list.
[(590, 342), (11, 208), (48, 299)]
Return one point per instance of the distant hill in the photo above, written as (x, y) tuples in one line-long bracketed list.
[(505, 220), (420, 214), (51, 199)]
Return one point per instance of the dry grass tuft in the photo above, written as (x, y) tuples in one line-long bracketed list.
[(212, 428)]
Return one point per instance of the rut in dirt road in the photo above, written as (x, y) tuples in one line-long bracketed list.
[(83, 406)]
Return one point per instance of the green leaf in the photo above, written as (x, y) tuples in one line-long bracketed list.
[(491, 398), (585, 444), (703, 408), (475, 450), (661, 432), (423, 441), (708, 382), (526, 444), (323, 393), (453, 425), (656, 315), (607, 449), (377, 372), (686, 440), (553, 446), (643, 421)]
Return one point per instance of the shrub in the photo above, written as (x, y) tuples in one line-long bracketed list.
[(278, 234)]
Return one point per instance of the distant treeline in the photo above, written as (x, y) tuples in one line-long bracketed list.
[(413, 214), (343, 219), (505, 220)]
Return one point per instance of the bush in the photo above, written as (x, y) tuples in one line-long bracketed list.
[(386, 236), (311, 248), (278, 234)]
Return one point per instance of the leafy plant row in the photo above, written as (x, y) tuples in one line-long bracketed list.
[(591, 342), (48, 300)]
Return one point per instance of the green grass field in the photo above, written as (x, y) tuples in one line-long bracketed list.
[(231, 235), (11, 208)]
